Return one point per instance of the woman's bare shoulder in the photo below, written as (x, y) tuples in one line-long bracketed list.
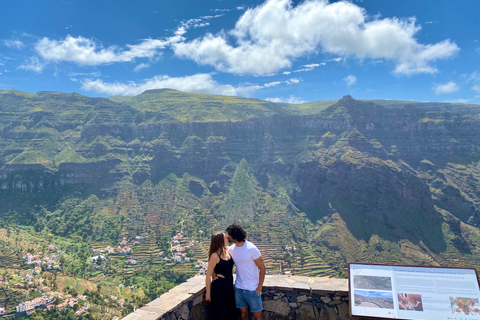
[(215, 258)]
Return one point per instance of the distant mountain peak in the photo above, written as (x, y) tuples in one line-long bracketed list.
[(347, 96), (157, 91), (346, 102)]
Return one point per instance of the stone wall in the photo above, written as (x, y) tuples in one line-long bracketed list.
[(284, 297)]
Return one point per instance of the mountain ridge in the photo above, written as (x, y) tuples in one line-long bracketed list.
[(399, 182), (169, 94)]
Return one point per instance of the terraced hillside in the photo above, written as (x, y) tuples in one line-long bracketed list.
[(341, 181)]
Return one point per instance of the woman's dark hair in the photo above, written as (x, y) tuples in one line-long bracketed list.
[(217, 243), (236, 232)]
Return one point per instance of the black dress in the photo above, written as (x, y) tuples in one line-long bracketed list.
[(222, 293)]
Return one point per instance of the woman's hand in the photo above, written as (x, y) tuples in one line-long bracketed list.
[(207, 297)]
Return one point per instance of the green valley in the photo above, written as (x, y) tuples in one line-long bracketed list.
[(128, 190)]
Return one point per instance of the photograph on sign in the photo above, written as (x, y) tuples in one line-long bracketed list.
[(372, 282), (373, 299), (409, 292), (410, 301), (467, 306)]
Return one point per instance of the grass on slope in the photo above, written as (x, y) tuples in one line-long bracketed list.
[(172, 105), (310, 107)]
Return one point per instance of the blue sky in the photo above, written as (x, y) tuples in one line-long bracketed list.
[(278, 50)]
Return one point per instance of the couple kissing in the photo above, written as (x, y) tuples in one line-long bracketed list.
[(245, 295)]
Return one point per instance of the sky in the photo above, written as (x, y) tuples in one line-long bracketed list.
[(276, 50)]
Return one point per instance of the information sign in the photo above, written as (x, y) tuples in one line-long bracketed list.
[(408, 292)]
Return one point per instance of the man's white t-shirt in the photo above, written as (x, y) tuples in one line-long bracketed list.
[(247, 271)]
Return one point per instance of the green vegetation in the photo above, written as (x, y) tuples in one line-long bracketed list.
[(316, 186), (311, 107), (169, 105)]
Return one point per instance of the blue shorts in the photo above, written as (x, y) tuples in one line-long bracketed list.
[(246, 298)]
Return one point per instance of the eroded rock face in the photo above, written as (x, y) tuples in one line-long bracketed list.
[(359, 170)]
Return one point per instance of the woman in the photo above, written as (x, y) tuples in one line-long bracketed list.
[(220, 292)]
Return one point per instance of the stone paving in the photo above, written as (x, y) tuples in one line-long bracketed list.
[(317, 285)]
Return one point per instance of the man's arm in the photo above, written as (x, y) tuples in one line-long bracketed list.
[(261, 265)]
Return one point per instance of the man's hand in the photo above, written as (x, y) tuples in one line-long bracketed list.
[(261, 266)]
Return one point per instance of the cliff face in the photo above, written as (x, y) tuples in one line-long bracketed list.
[(375, 175)]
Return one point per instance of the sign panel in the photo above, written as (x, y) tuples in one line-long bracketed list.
[(419, 293)]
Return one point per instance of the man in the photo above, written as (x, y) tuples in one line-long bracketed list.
[(250, 273)]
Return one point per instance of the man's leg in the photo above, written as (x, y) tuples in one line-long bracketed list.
[(244, 313), (255, 304)]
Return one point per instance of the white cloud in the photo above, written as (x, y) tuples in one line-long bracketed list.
[(276, 83), (15, 44), (461, 100), (141, 66), (85, 74), (310, 67), (203, 24), (291, 100), (350, 79), (198, 22), (33, 64), (334, 60), (211, 17), (293, 81), (474, 77), (276, 100), (286, 72), (448, 87), (198, 83), (272, 84), (269, 37), (85, 51)]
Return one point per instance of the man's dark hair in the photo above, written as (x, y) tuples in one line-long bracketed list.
[(236, 232)]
